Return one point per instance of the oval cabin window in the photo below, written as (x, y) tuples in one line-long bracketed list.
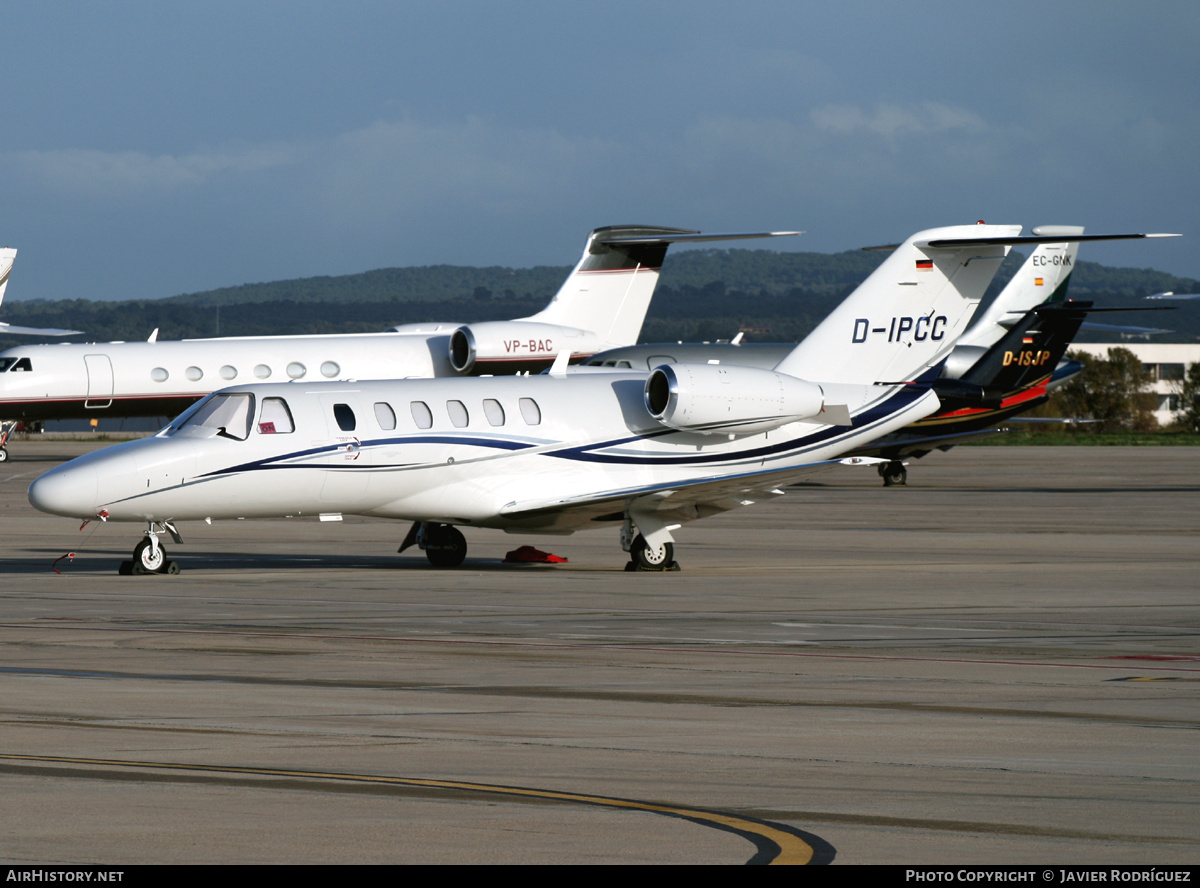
[(458, 414), (421, 414), (530, 411)]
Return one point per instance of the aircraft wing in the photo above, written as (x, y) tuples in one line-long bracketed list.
[(14, 330), (686, 500)]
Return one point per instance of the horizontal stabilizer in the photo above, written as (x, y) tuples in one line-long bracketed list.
[(1031, 240), (1172, 295), (692, 237)]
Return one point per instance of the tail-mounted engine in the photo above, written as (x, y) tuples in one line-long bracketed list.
[(728, 399), (513, 346)]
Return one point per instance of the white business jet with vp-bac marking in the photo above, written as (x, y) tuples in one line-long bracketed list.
[(553, 453), (601, 305)]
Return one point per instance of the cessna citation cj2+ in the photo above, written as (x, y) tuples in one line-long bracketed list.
[(554, 453), (601, 305)]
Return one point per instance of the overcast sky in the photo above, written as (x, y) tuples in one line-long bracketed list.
[(149, 149)]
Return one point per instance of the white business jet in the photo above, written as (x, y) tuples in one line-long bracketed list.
[(553, 453), (601, 305)]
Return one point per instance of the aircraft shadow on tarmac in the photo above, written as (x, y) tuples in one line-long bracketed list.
[(107, 562)]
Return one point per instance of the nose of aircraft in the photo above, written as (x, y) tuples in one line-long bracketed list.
[(69, 490)]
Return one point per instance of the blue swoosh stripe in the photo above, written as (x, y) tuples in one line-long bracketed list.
[(586, 453)]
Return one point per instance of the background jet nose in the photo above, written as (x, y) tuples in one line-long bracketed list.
[(66, 491)]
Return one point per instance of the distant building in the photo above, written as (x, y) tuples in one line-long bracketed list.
[(1166, 362)]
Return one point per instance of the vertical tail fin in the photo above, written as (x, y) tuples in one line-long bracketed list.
[(7, 256), (1030, 351), (905, 317), (1044, 277), (609, 291)]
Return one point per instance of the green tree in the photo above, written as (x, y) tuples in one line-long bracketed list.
[(1113, 390), (1188, 417)]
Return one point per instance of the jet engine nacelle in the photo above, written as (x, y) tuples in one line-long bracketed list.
[(728, 399), (510, 346)]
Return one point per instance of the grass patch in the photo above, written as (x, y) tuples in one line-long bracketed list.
[(1077, 437)]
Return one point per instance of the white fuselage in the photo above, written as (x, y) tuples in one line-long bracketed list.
[(162, 378), (511, 452)]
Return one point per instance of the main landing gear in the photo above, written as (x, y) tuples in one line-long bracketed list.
[(652, 547), (443, 544), (893, 473), (643, 556), (150, 556)]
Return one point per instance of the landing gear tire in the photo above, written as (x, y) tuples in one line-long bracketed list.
[(148, 560), (448, 548), (3, 454), (643, 556), (894, 474)]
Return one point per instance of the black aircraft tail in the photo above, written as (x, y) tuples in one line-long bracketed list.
[(1024, 358)]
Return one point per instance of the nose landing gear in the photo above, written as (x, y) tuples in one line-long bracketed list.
[(150, 556)]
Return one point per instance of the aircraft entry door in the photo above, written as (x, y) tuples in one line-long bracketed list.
[(100, 382)]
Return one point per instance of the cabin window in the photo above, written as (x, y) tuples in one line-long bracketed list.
[(276, 418), (530, 411), (195, 374), (21, 365), (229, 372), (296, 370), (385, 416), (330, 369), (160, 374), (658, 360), (493, 411), (262, 371), (230, 414), (421, 414), (458, 414), (345, 417)]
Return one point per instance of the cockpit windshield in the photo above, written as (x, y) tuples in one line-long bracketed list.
[(15, 364), (226, 414)]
